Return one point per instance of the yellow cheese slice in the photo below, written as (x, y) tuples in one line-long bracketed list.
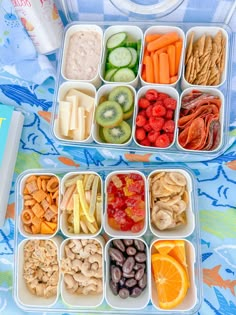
[(74, 116), (84, 100), (83, 201), (65, 109)]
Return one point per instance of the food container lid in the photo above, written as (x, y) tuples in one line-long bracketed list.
[(146, 8)]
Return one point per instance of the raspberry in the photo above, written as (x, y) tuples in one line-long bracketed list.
[(147, 127), (162, 141), (151, 95), (162, 96), (143, 103), (149, 111), (171, 136), (142, 112), (170, 103), (152, 135), (169, 114), (156, 123), (140, 134), (158, 111), (140, 120), (169, 126), (145, 142)]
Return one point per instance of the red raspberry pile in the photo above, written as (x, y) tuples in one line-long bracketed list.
[(155, 120)]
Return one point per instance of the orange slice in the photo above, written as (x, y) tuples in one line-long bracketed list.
[(178, 253), (170, 279), (164, 247)]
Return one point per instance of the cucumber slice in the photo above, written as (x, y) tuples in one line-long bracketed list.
[(109, 74), (124, 75), (139, 46), (120, 57), (116, 40), (108, 66), (134, 57)]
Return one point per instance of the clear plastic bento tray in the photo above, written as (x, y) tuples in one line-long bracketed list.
[(98, 86), (106, 302)]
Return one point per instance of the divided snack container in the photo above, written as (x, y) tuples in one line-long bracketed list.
[(174, 152), (106, 303)]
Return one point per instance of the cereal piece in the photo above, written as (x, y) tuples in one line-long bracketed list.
[(39, 182), (29, 202), (31, 178), (32, 186), (52, 184), (52, 225), (45, 229), (49, 214), (39, 195), (27, 216), (54, 208), (49, 199), (38, 210), (44, 185), (44, 203), (189, 48), (27, 228), (56, 193), (27, 197), (45, 177), (25, 192)]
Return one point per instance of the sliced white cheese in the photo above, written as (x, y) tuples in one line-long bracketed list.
[(64, 117), (79, 133), (84, 100), (74, 118), (88, 122)]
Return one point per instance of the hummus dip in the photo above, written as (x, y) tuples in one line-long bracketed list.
[(83, 55)]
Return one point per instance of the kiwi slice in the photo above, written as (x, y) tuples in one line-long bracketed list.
[(101, 135), (119, 134), (122, 95), (128, 114), (109, 114)]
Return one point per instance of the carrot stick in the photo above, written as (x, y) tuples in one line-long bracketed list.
[(144, 73), (163, 41), (149, 70), (162, 50), (152, 54), (164, 69), (146, 53), (178, 50), (171, 56), (156, 67), (173, 79), (150, 37)]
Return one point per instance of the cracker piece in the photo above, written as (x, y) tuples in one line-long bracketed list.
[(193, 71), (197, 62), (222, 59), (217, 39), (208, 45), (200, 44), (189, 48), (214, 54), (188, 68)]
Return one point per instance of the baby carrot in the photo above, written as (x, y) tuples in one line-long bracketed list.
[(173, 79), (163, 41), (151, 37), (162, 50), (156, 67), (178, 50), (149, 70), (171, 56), (164, 69), (146, 53), (144, 73)]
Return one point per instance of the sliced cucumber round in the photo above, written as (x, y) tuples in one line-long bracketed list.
[(109, 74), (116, 40), (124, 75), (134, 57), (120, 57)]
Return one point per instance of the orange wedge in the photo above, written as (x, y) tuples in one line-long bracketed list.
[(170, 279), (164, 247), (178, 253)]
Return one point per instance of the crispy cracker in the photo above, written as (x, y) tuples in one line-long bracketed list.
[(200, 44), (189, 48), (207, 46), (218, 38), (188, 68), (222, 60)]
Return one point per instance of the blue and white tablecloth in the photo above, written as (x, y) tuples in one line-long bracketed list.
[(216, 179)]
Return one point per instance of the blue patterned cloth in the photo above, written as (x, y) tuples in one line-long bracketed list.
[(216, 179)]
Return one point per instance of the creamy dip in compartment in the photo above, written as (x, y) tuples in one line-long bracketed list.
[(83, 55)]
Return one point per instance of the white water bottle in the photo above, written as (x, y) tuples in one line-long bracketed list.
[(42, 22)]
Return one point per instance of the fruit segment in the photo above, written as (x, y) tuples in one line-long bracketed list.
[(113, 115), (126, 202), (170, 272)]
